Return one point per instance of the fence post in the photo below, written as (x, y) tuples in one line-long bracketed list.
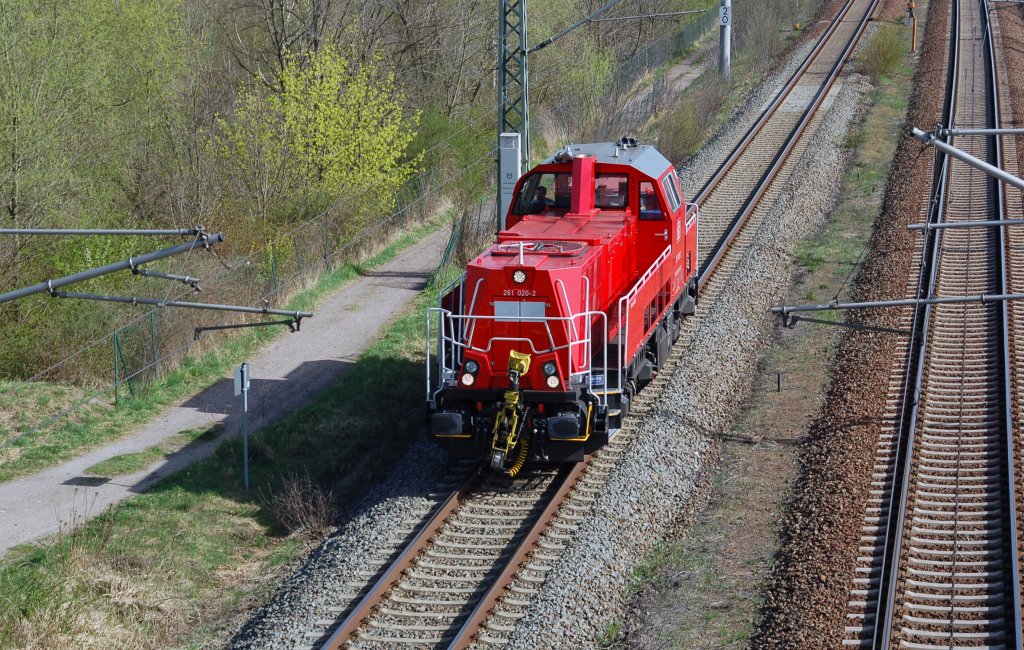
[(300, 268), (327, 247), (273, 268), (153, 346), (117, 374)]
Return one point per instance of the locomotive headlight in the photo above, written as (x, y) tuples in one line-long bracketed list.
[(519, 276), (471, 366), (468, 379), (550, 368), (553, 382)]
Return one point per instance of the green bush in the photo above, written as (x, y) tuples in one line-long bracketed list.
[(882, 52), (681, 132)]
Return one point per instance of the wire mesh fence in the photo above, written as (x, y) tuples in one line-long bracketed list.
[(636, 109), (160, 339), (663, 50), (472, 228)]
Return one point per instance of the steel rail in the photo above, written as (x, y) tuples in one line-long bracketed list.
[(732, 231), (350, 625), (465, 637), (376, 596), (1017, 639), (888, 582)]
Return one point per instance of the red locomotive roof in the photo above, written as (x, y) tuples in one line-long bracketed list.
[(552, 242), (591, 229)]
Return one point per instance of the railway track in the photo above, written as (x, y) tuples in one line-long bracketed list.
[(938, 563), (486, 614), (427, 595), (467, 576), (735, 201), (467, 573)]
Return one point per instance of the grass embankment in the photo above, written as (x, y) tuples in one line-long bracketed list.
[(97, 422), (704, 591), (704, 106), (173, 565)]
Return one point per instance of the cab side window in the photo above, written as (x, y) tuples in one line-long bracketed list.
[(671, 193), (650, 206)]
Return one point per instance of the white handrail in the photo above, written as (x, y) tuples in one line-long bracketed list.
[(448, 342), (631, 294)]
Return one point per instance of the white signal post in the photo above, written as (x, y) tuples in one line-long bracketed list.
[(242, 388), (725, 21)]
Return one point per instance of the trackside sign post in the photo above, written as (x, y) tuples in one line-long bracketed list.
[(242, 388), (725, 46)]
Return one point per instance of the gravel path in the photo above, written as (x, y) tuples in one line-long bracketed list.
[(285, 375)]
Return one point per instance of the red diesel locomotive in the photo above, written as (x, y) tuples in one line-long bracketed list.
[(537, 350)]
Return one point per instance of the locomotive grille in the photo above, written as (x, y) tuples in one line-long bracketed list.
[(542, 246)]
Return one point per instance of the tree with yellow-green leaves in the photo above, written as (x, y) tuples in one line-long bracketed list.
[(335, 132)]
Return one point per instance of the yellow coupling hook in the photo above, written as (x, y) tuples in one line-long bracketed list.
[(508, 422)]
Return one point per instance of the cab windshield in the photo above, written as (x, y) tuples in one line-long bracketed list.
[(547, 193)]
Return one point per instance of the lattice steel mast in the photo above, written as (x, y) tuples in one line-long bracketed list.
[(513, 82)]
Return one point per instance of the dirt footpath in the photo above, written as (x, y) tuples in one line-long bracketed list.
[(284, 375)]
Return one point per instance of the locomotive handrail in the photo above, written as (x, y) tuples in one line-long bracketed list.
[(446, 340), (568, 306), (696, 242), (472, 306), (631, 295), (695, 209)]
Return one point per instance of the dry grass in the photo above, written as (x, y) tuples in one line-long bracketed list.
[(681, 132), (24, 404), (883, 52), (300, 505), (95, 587)]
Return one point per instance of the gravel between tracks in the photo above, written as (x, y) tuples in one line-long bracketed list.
[(1011, 28), (305, 597), (655, 484)]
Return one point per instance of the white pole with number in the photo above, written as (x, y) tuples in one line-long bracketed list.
[(725, 21)]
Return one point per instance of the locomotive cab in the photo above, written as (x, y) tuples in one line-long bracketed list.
[(542, 343)]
